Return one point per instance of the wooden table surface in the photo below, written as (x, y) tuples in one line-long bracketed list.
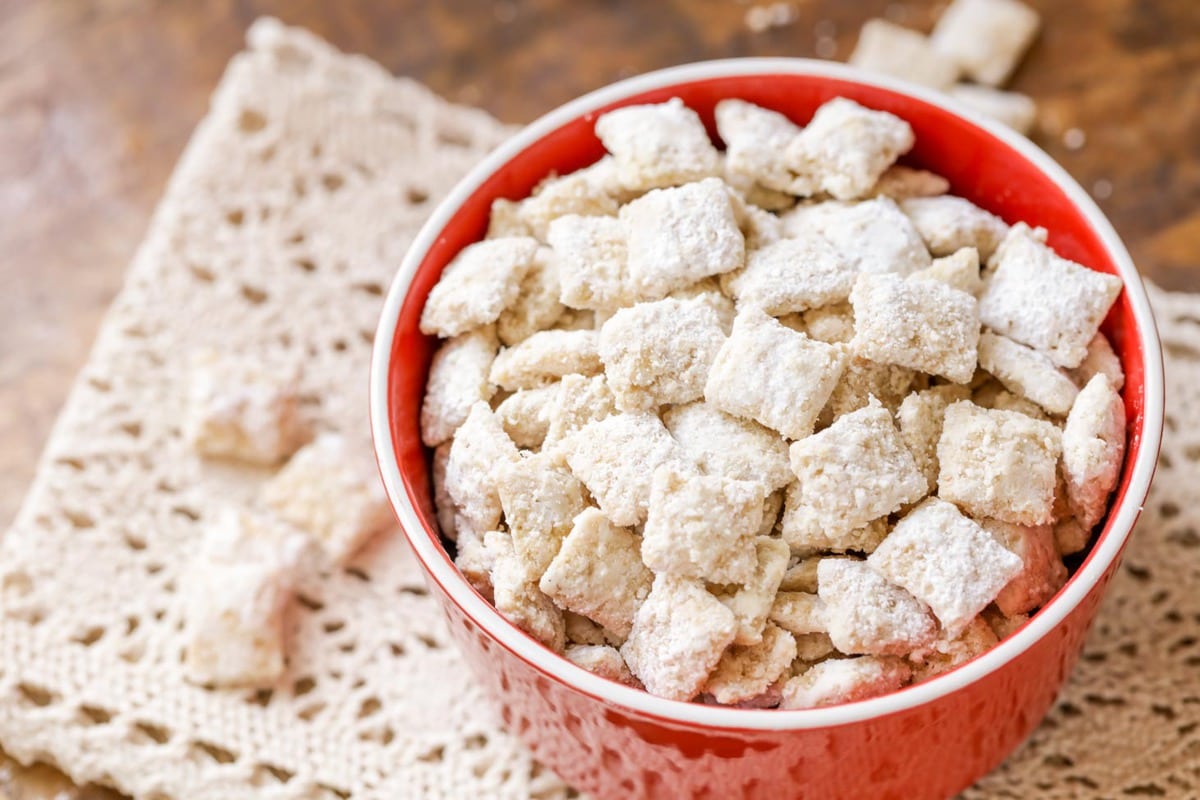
[(98, 98)]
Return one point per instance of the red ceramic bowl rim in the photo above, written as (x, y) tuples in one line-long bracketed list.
[(437, 567)]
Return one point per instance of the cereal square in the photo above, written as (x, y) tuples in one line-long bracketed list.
[(850, 474), (809, 539), (900, 183), (557, 197), (986, 38), (603, 660), (1093, 445), (866, 615), (751, 601), (333, 492), (545, 357), (1000, 464), (658, 145), (475, 562), (772, 375), (811, 648), (525, 414), (1100, 359), (1027, 372), (537, 306), (755, 141), (920, 419), (922, 325), (580, 401), (902, 53), (747, 671), (238, 410), (1042, 572), (660, 352), (1042, 300), (443, 505), (481, 281), (458, 379), (872, 236), (947, 224), (679, 634), (581, 630), (599, 573), (864, 379), (541, 499), (518, 598), (800, 613), (793, 275), (681, 235), (846, 147), (593, 262), (504, 220), (947, 561), (845, 680), (832, 324), (801, 575), (959, 270), (737, 448), (708, 293), (479, 447), (702, 526), (1016, 110), (948, 652)]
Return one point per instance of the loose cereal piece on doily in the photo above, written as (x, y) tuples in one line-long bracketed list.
[(615, 456), (603, 660), (775, 376), (864, 379), (1042, 300), (580, 401), (678, 636), (482, 280), (845, 680), (525, 414), (920, 419), (681, 235), (721, 444), (873, 236), (333, 492), (922, 325), (480, 446), (593, 262), (986, 38), (1093, 445), (798, 612), (755, 140), (518, 598), (900, 183), (708, 293), (1027, 372), (947, 561), (537, 307), (505, 220), (751, 601), (948, 652), (541, 499), (442, 503), (948, 223), (1042, 571), (801, 575), (599, 573), (1100, 359), (747, 671), (866, 615), (236, 409), (659, 353), (557, 197), (701, 526), (458, 379), (903, 53), (850, 474), (846, 147), (545, 357), (659, 145), (996, 463), (959, 270), (1016, 110), (793, 275)]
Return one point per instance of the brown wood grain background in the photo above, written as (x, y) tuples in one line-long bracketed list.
[(98, 98)]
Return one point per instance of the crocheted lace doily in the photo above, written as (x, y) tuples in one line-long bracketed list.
[(286, 218)]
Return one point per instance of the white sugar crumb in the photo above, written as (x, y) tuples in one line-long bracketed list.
[(1093, 443), (658, 145), (866, 615), (481, 281), (762, 18), (518, 598), (721, 444), (1042, 300), (545, 357), (747, 671), (793, 275), (593, 262), (658, 353), (480, 446), (902, 53), (986, 38), (947, 561), (1074, 139), (844, 680), (679, 634), (751, 600), (947, 224), (458, 379)]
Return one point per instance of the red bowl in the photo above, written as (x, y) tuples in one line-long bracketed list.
[(926, 741)]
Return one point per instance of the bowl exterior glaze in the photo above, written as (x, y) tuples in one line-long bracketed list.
[(928, 741)]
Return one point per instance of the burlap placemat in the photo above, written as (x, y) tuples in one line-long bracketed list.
[(278, 234)]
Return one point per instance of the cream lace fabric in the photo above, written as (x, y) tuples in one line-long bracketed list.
[(286, 218)]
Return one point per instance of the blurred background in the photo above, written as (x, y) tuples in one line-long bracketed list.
[(97, 100)]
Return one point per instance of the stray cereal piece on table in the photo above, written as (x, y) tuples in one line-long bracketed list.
[(747, 671), (945, 560), (482, 280), (458, 379), (751, 601), (518, 597), (986, 38), (866, 615), (845, 680), (1016, 110), (902, 52), (679, 635), (480, 446), (948, 223), (1093, 445), (654, 146), (545, 357), (846, 148), (1027, 372)]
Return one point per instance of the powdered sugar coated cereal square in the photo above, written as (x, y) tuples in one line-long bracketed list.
[(959, 270), (793, 275), (1093, 443), (540, 498), (525, 415), (518, 598), (1100, 359), (751, 600), (545, 357), (1042, 571), (1027, 372), (846, 147), (537, 306), (800, 613), (458, 379), (866, 615), (949, 223), (900, 183), (557, 197), (920, 419), (602, 660), (747, 671), (948, 652), (593, 262), (755, 140), (481, 281), (580, 400), (708, 293), (658, 145), (845, 680), (986, 38), (480, 446), (721, 444), (872, 236)]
